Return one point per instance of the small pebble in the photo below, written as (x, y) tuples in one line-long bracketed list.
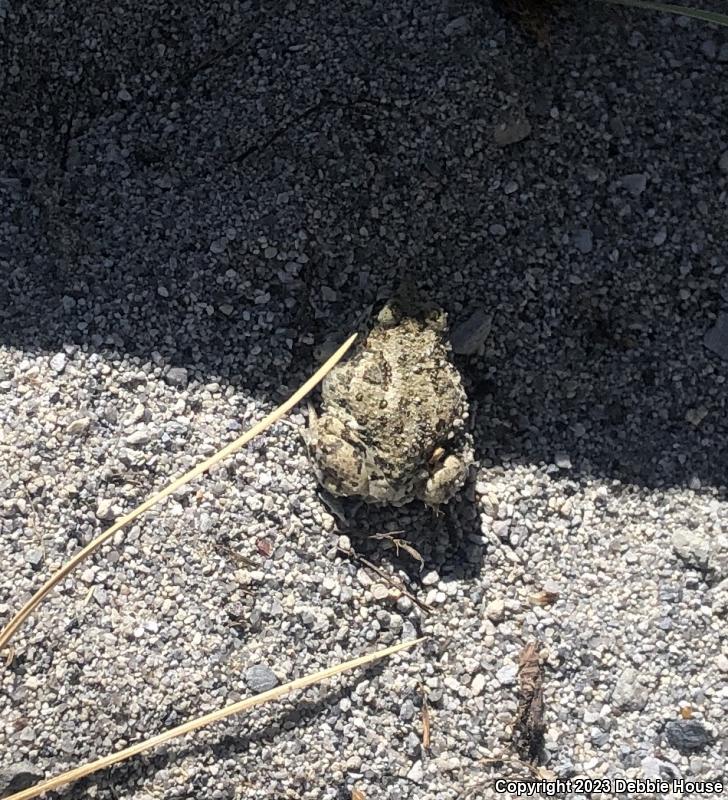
[(716, 339), (583, 240), (58, 362), (457, 27), (260, 678), (379, 591), (512, 132), (177, 376), (469, 336), (407, 711), (430, 578), (78, 426), (635, 183), (495, 610), (709, 49), (416, 772), (507, 674), (105, 509), (692, 547), (136, 438), (34, 557)]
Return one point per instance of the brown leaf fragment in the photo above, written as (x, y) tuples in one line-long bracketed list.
[(357, 794), (528, 727), (543, 598), (265, 548)]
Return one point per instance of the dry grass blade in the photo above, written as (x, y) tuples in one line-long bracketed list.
[(208, 719), (425, 713), (669, 8), (226, 451)]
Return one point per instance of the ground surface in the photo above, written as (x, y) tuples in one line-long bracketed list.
[(193, 206)]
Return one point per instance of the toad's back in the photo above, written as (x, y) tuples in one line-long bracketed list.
[(402, 392)]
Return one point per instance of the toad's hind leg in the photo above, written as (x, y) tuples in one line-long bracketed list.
[(446, 478)]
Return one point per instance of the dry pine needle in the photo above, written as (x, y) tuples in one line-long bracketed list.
[(208, 719)]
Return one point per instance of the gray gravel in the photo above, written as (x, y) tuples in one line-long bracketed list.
[(193, 206)]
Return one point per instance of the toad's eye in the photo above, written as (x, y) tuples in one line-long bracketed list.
[(382, 404)]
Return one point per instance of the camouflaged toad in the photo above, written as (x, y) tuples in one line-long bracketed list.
[(393, 423)]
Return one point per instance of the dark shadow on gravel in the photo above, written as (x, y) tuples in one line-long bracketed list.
[(448, 541), (230, 234)]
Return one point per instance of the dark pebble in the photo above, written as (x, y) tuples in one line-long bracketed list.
[(260, 678), (686, 735)]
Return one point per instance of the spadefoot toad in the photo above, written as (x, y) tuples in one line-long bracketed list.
[(393, 427)]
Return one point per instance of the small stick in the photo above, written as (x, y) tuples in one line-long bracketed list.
[(425, 713), (229, 449), (388, 578), (214, 716)]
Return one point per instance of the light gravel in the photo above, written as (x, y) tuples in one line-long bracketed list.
[(193, 207)]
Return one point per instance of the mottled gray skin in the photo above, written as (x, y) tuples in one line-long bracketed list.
[(393, 422)]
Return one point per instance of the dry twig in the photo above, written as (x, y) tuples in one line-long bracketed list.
[(400, 587), (401, 544)]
